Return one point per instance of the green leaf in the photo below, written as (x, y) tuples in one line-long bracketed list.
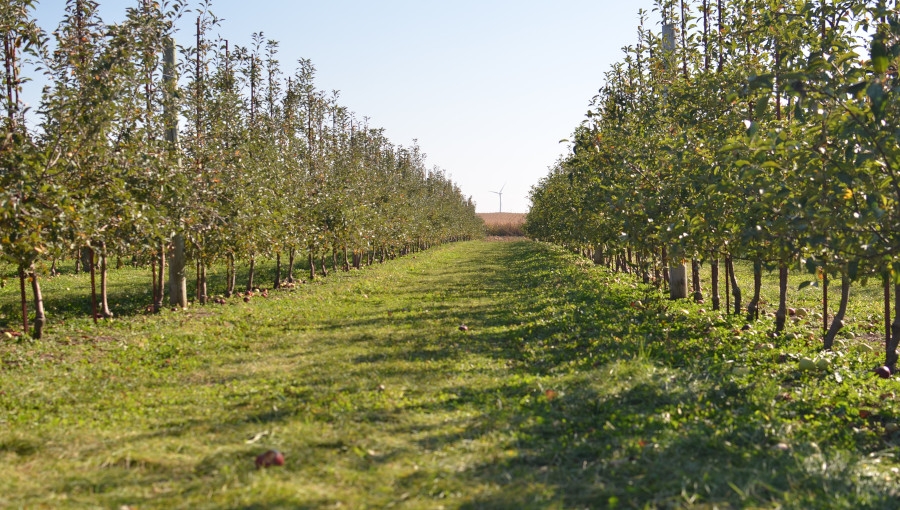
[(752, 129), (875, 92), (880, 54), (761, 106), (804, 285)]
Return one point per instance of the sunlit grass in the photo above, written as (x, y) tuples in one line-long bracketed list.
[(564, 393)]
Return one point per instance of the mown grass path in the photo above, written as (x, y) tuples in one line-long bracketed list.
[(562, 394)]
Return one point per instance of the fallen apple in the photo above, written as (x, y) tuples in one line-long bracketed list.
[(270, 458), (807, 364), (463, 327)]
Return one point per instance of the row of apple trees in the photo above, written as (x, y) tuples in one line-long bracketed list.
[(766, 130), (193, 155)]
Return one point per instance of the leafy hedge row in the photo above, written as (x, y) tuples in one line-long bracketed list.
[(234, 159), (761, 129)]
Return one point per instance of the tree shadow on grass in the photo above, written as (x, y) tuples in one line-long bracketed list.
[(638, 413), (654, 443)]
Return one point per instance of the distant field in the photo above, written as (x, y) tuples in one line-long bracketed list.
[(503, 224)]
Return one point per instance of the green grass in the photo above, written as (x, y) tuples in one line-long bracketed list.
[(864, 312), (564, 393)]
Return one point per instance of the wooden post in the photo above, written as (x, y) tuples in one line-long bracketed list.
[(177, 278), (678, 288), (24, 299)]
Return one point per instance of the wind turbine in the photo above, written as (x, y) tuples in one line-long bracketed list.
[(500, 195)]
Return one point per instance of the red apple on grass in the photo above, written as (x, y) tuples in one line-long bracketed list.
[(270, 458)]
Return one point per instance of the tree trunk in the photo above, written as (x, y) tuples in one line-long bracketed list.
[(177, 274), (104, 295), (357, 259), (645, 275), (160, 297), (735, 289), (230, 276), (886, 281), (895, 332), (346, 260), (277, 284), (312, 265), (781, 313), (695, 280), (838, 321), (93, 286), (153, 290), (87, 259), (252, 273), (334, 264), (825, 299), (39, 318), (665, 266), (24, 298), (324, 269), (753, 306), (714, 269), (290, 272), (202, 296), (727, 288)]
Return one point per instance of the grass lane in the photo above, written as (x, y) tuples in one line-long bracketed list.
[(561, 395)]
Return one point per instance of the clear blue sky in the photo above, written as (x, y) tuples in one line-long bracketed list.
[(487, 87)]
